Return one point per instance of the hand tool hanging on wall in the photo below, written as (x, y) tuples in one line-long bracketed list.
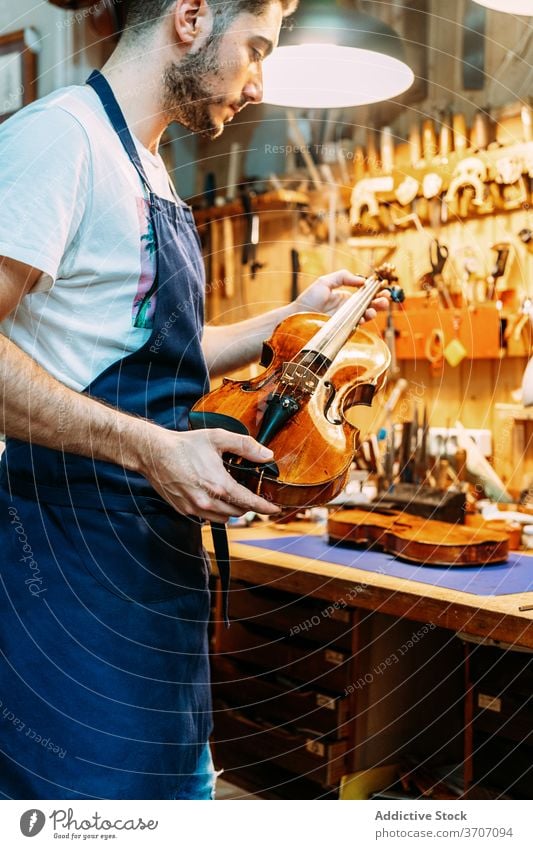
[(207, 236), (460, 133), (478, 466), (390, 340), (406, 475), (299, 139), (215, 280), (251, 239), (421, 455), (390, 405), (445, 137), (455, 351), (295, 274), (526, 114), (503, 252), (229, 257), (429, 141), (526, 236), (413, 446), (438, 255), (415, 146), (234, 167), (481, 132), (387, 150), (521, 321)]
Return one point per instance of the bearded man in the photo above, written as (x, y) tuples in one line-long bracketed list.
[(103, 489)]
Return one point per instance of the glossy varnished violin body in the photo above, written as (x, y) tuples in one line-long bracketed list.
[(423, 541), (316, 368), (314, 449)]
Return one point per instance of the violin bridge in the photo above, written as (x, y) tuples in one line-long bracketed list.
[(298, 376)]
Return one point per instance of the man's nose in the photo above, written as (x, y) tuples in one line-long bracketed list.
[(253, 89)]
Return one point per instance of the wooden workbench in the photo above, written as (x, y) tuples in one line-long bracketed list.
[(410, 707), (495, 617)]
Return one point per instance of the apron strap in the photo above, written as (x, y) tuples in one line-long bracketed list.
[(98, 82), (221, 546)]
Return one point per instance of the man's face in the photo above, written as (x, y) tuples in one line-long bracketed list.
[(211, 84)]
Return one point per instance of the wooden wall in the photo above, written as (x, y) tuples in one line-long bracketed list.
[(472, 391)]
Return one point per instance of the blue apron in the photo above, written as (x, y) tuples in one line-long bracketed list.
[(104, 682)]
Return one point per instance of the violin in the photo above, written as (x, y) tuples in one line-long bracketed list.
[(424, 541), (317, 368)]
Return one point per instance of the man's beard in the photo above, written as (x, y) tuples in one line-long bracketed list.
[(187, 98)]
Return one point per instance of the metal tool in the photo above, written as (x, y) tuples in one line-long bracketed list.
[(445, 138), (460, 133), (503, 251), (405, 453), (415, 146), (438, 255), (421, 456), (413, 447), (390, 340), (295, 273), (249, 251), (429, 141)]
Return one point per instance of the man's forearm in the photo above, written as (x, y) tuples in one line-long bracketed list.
[(234, 346), (35, 407)]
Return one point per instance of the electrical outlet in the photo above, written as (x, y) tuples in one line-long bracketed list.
[(443, 440)]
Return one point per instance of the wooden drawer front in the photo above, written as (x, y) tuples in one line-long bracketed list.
[(507, 713), (269, 699), (327, 669), (499, 669), (503, 692), (240, 743), (291, 616)]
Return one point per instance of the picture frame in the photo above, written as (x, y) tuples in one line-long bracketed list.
[(18, 70)]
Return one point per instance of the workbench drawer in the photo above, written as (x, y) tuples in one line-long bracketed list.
[(310, 619), (241, 743), (321, 668), (265, 697), (507, 713), (502, 682)]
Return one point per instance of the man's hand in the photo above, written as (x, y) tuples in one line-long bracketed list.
[(324, 294), (186, 469)]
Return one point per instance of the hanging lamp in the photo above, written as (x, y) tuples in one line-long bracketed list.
[(333, 57), (515, 7)]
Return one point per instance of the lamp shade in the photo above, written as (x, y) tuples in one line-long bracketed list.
[(332, 57), (515, 7)]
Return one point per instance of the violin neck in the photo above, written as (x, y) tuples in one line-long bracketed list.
[(329, 340)]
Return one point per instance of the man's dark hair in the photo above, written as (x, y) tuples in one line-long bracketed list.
[(142, 15)]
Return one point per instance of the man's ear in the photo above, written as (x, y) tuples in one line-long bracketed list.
[(190, 18)]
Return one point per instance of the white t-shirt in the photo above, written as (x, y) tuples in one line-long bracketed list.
[(73, 206)]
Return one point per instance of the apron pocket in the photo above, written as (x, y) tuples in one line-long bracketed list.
[(140, 558)]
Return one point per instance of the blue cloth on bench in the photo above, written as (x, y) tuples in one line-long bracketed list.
[(515, 576)]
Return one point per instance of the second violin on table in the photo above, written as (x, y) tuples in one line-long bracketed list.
[(316, 368)]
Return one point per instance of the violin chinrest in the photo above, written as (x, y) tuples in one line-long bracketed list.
[(201, 420)]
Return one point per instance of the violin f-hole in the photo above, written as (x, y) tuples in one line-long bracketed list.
[(329, 401)]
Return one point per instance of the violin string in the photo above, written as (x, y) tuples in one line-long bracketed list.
[(362, 295)]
